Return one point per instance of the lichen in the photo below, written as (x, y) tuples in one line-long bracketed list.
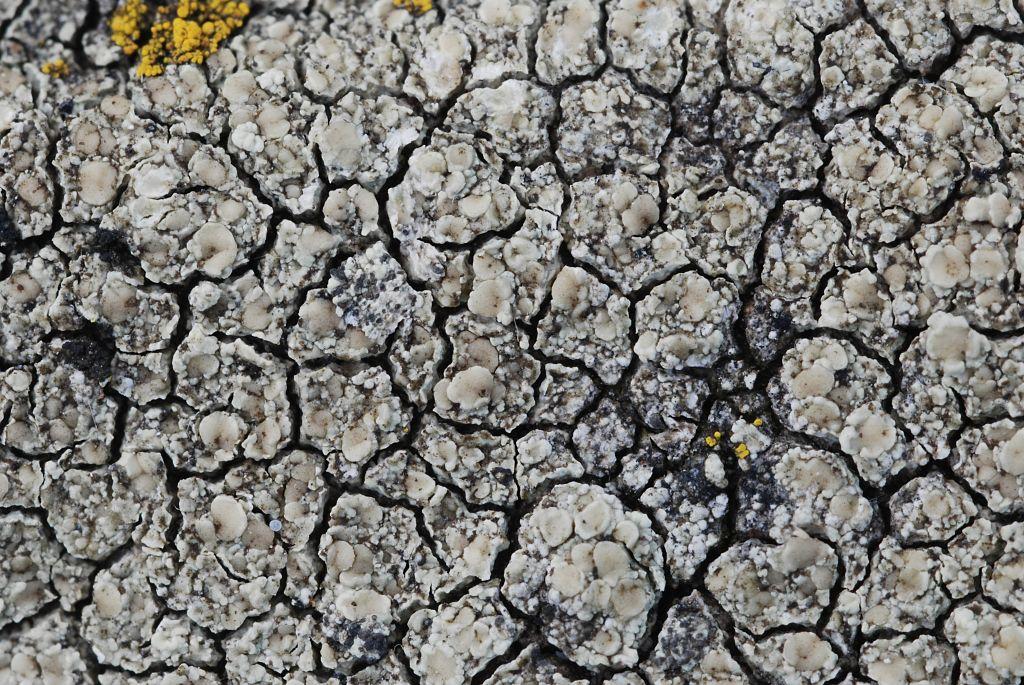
[(458, 341), (187, 33), (415, 6), (56, 68)]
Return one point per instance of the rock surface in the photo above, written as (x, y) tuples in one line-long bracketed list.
[(515, 342)]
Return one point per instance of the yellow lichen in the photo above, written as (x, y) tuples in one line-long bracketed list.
[(186, 33), (415, 6), (56, 68), (758, 422), (741, 450), (126, 25)]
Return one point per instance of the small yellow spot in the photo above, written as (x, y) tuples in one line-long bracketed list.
[(742, 451), (758, 422), (415, 6), (710, 441), (57, 68)]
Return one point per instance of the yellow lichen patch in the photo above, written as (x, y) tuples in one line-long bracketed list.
[(741, 450), (759, 422), (126, 25), (713, 439), (189, 32), (415, 6), (56, 68)]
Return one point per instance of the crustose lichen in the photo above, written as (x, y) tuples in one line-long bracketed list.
[(56, 68), (415, 6), (189, 32)]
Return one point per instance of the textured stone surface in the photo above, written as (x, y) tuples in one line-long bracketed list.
[(515, 342)]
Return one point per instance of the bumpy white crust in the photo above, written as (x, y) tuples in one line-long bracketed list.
[(516, 342)]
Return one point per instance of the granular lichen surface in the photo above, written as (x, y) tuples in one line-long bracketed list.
[(511, 342)]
